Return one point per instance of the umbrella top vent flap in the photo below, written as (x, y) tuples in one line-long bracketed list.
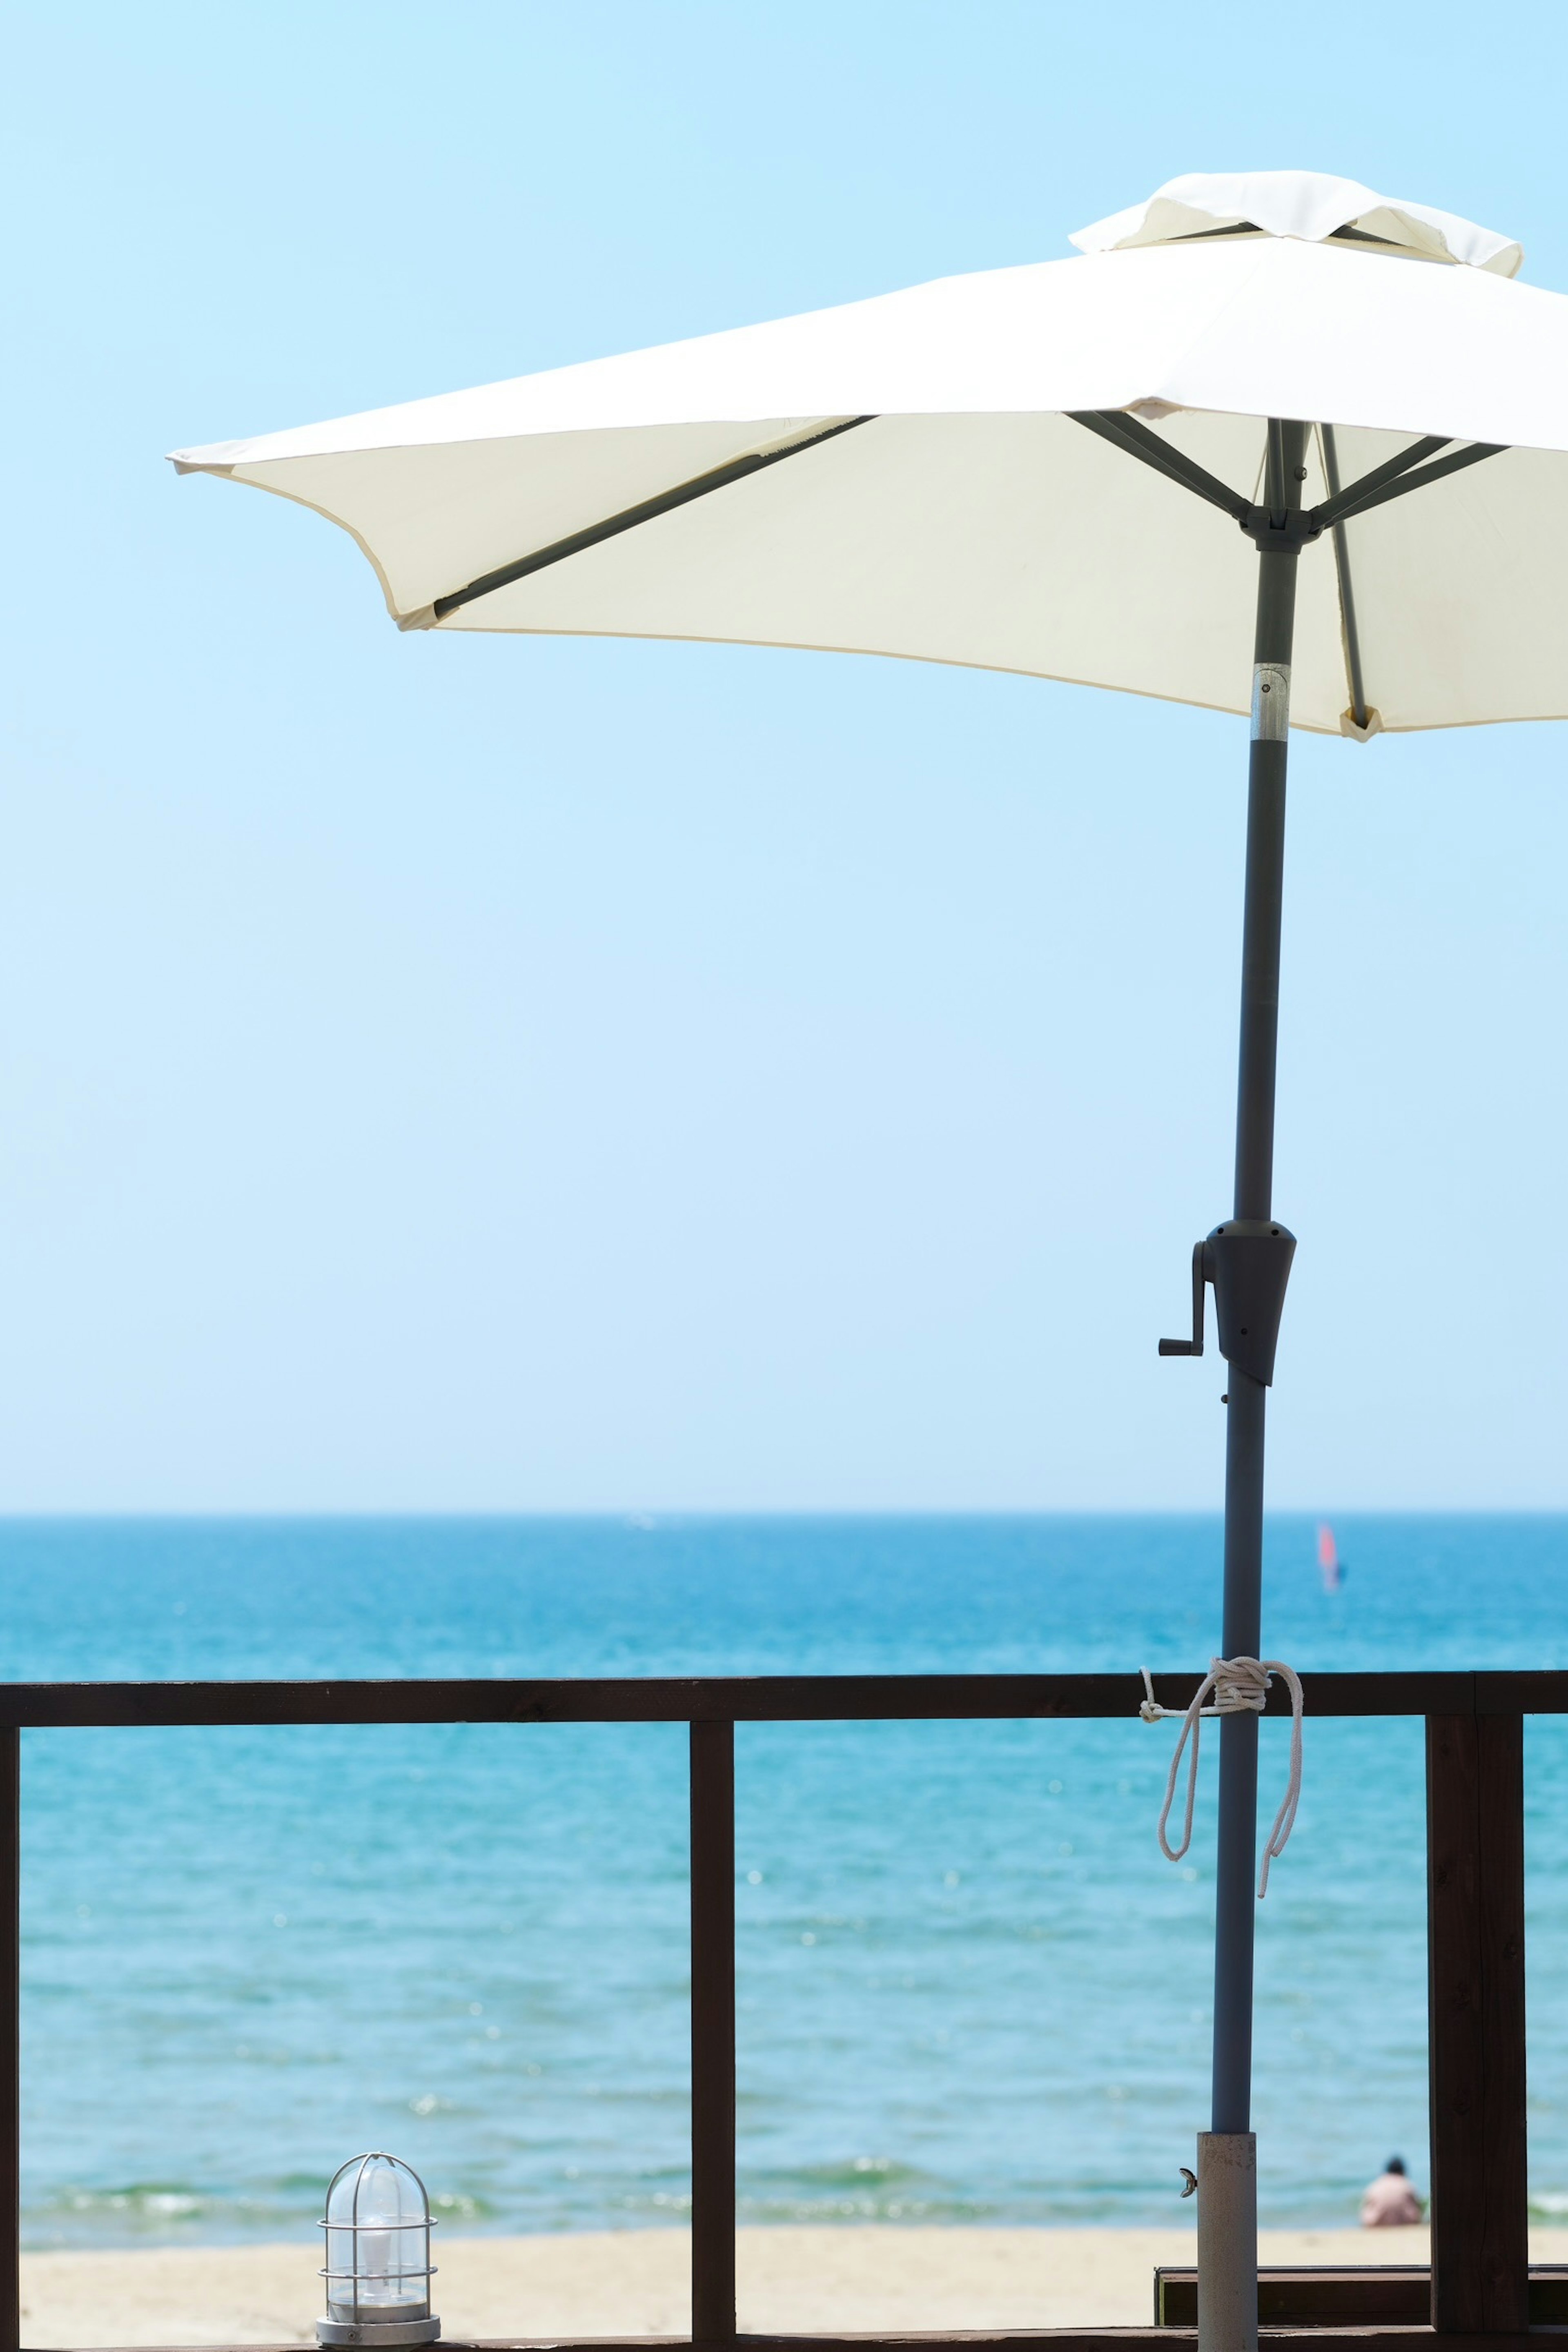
[(1314, 205), (903, 476)]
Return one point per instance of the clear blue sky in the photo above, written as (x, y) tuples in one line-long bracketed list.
[(490, 1074)]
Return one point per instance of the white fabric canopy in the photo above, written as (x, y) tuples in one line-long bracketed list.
[(971, 520)]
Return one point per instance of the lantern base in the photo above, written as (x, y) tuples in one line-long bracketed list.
[(371, 2332)]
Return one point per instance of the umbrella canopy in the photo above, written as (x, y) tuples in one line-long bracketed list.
[(940, 502)]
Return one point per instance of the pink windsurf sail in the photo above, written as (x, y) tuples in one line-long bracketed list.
[(1334, 1574)]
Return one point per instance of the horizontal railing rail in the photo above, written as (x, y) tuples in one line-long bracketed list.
[(1479, 2279), (744, 1698)]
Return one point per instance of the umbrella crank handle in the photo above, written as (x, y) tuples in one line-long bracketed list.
[(1203, 1272), (1247, 1259)]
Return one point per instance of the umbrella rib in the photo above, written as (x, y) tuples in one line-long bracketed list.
[(1358, 499), (1128, 434), (1339, 502), (1347, 597), (647, 510)]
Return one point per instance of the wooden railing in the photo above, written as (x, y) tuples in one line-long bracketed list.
[(1479, 2281)]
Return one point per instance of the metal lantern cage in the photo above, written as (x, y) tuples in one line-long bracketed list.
[(378, 2268)]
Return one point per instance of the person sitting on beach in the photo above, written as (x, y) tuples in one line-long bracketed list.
[(1390, 2202)]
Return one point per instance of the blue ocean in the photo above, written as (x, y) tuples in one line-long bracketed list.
[(970, 1988)]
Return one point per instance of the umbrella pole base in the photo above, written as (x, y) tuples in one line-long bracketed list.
[(1228, 2242)]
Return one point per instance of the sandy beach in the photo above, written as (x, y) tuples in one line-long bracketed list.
[(634, 2283)]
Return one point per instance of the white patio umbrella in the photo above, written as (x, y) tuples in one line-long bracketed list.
[(1070, 469)]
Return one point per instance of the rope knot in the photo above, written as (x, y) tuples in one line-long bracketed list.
[(1239, 1686)]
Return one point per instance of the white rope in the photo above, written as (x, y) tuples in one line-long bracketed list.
[(1240, 1687)]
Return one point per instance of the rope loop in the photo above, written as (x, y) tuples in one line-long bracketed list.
[(1239, 1686)]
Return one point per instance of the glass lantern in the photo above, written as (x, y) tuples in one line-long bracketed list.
[(378, 2267)]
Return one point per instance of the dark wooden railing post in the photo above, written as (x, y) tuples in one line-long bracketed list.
[(1474, 1942), (713, 2033), (10, 2038)]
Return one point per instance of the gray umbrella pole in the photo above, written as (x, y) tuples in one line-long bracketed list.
[(1227, 2201)]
